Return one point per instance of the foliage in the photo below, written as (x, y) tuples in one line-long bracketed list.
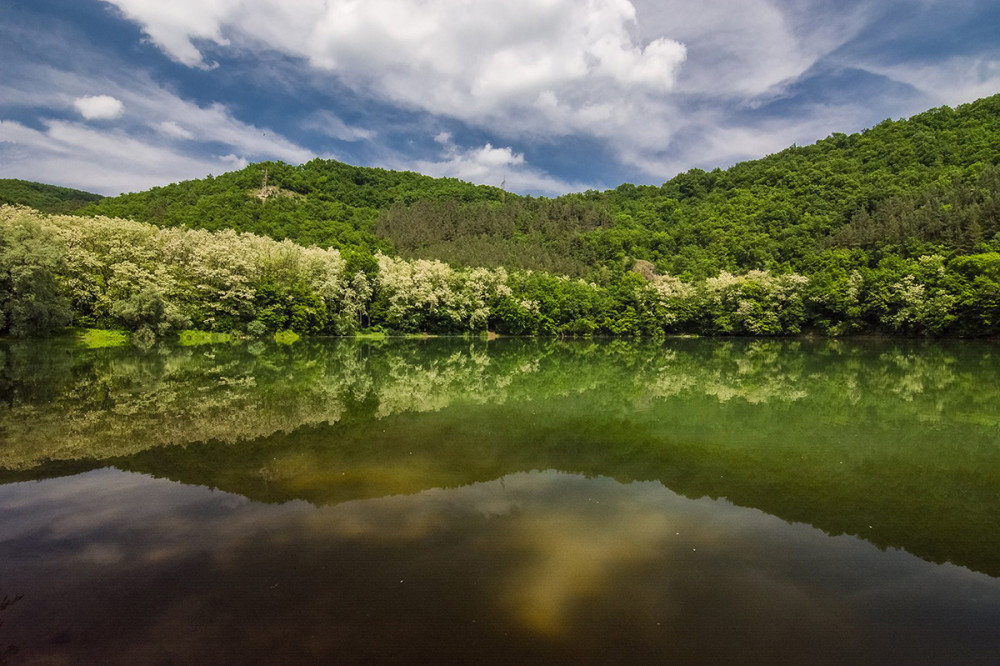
[(138, 277), (528, 233), (323, 202), (31, 256), (757, 303), (894, 230), (97, 338), (46, 198)]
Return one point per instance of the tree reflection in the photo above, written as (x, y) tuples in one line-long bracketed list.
[(895, 442)]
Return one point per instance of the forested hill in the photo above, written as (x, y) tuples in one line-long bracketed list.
[(926, 185), (894, 230), (322, 202), (922, 186), (46, 198), (903, 189)]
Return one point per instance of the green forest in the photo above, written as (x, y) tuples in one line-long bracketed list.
[(894, 230), (46, 198)]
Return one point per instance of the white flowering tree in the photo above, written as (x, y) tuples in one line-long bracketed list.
[(757, 303)]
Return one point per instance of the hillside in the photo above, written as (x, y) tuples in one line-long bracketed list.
[(322, 202), (46, 198), (926, 185), (895, 230)]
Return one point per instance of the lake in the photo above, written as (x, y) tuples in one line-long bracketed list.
[(512, 501)]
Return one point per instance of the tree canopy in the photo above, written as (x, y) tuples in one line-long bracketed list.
[(895, 229), (46, 198)]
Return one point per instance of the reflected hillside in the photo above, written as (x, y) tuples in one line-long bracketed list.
[(897, 443)]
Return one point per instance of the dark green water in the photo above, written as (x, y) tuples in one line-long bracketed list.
[(449, 501)]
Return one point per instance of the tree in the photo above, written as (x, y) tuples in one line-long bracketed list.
[(31, 303)]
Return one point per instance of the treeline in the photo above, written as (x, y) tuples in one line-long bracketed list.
[(928, 185), (525, 233), (323, 202), (923, 186), (113, 273), (893, 230), (46, 198)]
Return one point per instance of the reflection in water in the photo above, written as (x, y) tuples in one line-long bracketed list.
[(541, 566), (62, 403), (7, 651), (383, 500), (897, 443)]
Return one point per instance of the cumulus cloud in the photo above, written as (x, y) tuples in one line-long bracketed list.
[(632, 74), (489, 165), (520, 67), (656, 86), (99, 107)]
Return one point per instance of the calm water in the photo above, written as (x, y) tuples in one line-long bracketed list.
[(449, 501)]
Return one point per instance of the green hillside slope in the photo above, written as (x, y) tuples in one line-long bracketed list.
[(908, 188), (894, 230), (927, 185), (912, 187), (46, 198), (322, 202)]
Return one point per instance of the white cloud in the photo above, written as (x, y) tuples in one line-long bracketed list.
[(624, 72), (488, 165), (952, 81), (163, 138), (172, 25), (107, 162), (521, 67), (662, 84), (174, 129), (99, 107), (327, 123), (745, 48)]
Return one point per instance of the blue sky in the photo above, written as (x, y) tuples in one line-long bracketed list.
[(551, 96)]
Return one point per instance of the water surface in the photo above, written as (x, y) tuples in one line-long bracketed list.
[(505, 502)]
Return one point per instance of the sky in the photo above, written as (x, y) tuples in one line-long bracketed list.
[(542, 96)]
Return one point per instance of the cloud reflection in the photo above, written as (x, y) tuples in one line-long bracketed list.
[(539, 566)]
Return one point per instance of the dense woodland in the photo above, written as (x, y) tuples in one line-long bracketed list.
[(893, 230), (46, 198)]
